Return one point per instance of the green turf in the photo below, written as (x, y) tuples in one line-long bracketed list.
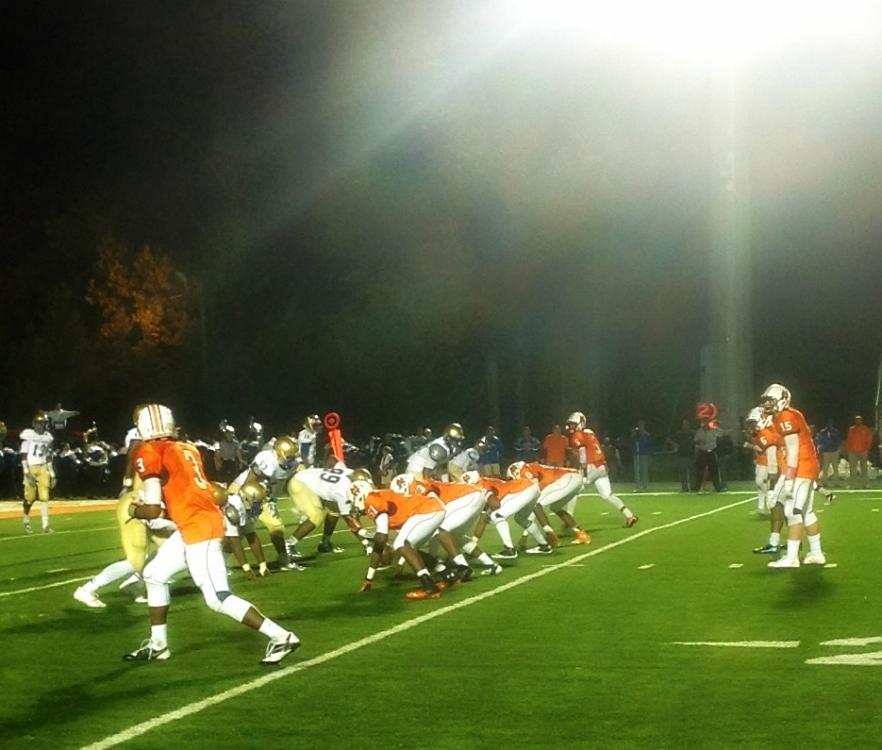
[(579, 657)]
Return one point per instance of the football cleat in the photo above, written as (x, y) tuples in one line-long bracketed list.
[(422, 594), (276, 650), (814, 558), (582, 537), (148, 651), (28, 529), (830, 498), (552, 539), (329, 547), (629, 522), (88, 598), (541, 549), (492, 570), (768, 549), (47, 530), (506, 553), (785, 562), (463, 573), (291, 565)]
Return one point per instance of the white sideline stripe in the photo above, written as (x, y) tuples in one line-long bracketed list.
[(37, 535), (47, 586), (739, 644), (145, 726)]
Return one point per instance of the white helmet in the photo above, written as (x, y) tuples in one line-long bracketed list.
[(515, 469), (775, 398), (357, 493), (576, 421), (402, 484), (155, 421), (470, 477), (758, 417)]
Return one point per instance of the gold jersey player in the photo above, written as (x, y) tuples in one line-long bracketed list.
[(172, 472), (37, 472), (801, 469)]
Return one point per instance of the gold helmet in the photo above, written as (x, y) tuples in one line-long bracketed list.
[(454, 431), (362, 475), (220, 493), (287, 451), (40, 421), (312, 422), (252, 492)]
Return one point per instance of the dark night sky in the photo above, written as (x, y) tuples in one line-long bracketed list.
[(380, 197)]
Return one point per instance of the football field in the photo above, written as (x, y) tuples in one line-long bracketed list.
[(668, 635)]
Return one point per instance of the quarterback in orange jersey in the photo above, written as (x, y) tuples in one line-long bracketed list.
[(172, 472), (586, 448), (800, 472), (557, 487), (416, 517), (506, 499)]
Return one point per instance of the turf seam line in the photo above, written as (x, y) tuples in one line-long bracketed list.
[(145, 726)]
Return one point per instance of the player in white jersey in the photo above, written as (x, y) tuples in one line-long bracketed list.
[(239, 524), (430, 461), (307, 439), (271, 467), (322, 496), (37, 472)]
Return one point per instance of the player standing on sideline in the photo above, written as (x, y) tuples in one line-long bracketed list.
[(37, 472), (592, 462), (801, 471), (172, 471)]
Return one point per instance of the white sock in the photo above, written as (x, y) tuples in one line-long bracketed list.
[(159, 635), (570, 507), (26, 520), (460, 560), (504, 532), (617, 504), (536, 533), (626, 512), (272, 630), (132, 579), (486, 560), (44, 514), (792, 548), (814, 543), (775, 538), (111, 573)]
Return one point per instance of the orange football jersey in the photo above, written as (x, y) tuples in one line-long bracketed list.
[(502, 488), (588, 440), (543, 474), (399, 507), (187, 494), (791, 422), (763, 440), (450, 491)]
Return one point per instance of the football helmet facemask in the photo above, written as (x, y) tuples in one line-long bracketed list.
[(287, 451), (357, 493), (775, 399), (576, 422), (39, 422)]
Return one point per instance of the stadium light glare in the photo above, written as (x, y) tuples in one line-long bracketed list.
[(698, 30)]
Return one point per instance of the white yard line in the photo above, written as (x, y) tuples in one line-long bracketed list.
[(45, 586), (739, 644), (192, 708)]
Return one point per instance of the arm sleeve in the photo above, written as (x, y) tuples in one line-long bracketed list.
[(791, 441), (382, 522), (772, 459), (152, 491)]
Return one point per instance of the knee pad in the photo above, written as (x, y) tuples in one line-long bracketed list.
[(232, 606), (810, 518), (793, 516)]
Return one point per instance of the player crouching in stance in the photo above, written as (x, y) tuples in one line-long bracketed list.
[(417, 518), (801, 470), (514, 498), (558, 489), (239, 524), (172, 471)]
